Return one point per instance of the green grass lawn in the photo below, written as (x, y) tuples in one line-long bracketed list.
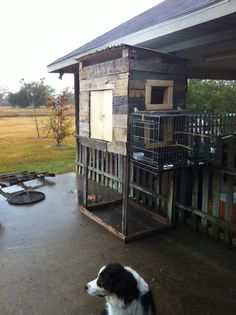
[(21, 150)]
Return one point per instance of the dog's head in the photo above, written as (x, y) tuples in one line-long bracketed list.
[(113, 279)]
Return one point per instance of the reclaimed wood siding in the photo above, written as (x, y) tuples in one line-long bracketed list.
[(206, 197), (155, 68), (109, 75)]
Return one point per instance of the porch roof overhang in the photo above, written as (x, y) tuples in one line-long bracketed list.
[(206, 38)]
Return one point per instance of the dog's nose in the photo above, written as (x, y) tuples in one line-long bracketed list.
[(86, 287)]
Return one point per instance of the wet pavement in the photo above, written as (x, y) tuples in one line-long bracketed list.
[(48, 251)]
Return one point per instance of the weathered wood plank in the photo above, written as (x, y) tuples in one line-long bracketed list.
[(94, 143), (216, 188), (108, 227), (229, 189), (84, 129), (120, 121), (209, 217), (102, 83), (120, 134), (137, 85), (117, 147), (85, 176), (121, 88), (205, 197), (137, 93), (105, 68), (170, 196), (125, 195), (157, 65), (195, 196)]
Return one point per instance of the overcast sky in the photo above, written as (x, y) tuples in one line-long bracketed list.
[(35, 33)]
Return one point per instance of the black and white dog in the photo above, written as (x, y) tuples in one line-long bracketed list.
[(125, 291)]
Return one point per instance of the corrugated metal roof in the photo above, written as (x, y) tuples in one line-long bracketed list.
[(165, 11)]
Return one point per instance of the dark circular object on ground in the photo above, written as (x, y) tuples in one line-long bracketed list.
[(26, 197)]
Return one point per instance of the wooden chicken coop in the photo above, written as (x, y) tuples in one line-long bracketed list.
[(113, 84)]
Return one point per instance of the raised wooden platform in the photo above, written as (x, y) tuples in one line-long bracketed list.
[(105, 208)]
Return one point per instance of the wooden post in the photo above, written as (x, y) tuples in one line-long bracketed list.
[(229, 189), (205, 197), (125, 193), (85, 177), (216, 183), (170, 197), (157, 190), (119, 173), (184, 179), (195, 197)]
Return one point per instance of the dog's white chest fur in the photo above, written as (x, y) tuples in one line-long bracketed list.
[(116, 307)]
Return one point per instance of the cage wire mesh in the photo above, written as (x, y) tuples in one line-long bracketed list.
[(176, 139)]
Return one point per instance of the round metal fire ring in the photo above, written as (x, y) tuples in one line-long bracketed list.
[(26, 197)]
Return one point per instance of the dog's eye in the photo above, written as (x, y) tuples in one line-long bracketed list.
[(100, 282)]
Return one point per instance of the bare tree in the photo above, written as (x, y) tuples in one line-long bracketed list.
[(3, 95), (59, 123)]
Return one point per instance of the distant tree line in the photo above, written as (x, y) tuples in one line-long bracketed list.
[(203, 95), (30, 94), (212, 96)]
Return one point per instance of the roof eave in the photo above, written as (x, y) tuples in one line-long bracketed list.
[(201, 16)]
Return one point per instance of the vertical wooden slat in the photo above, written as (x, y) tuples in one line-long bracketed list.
[(115, 185), (205, 197), (137, 180), (93, 163), (131, 179), (157, 190), (164, 192), (150, 186), (195, 196), (85, 177), (170, 196), (125, 192), (97, 165), (183, 194), (111, 168), (90, 163), (119, 172), (102, 167), (229, 189), (106, 168), (216, 183)]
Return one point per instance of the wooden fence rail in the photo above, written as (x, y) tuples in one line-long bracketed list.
[(204, 196)]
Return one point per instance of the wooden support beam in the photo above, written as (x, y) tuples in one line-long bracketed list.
[(195, 196), (170, 195), (85, 176), (125, 194), (229, 189), (205, 197), (216, 183)]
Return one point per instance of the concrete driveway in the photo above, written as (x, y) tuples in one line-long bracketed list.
[(48, 251)]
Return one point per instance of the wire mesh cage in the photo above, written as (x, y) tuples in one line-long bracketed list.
[(176, 139)]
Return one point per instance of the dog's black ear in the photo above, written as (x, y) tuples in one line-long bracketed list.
[(114, 269), (124, 285), (131, 291)]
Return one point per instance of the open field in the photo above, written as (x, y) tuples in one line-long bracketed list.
[(8, 111), (21, 150)]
